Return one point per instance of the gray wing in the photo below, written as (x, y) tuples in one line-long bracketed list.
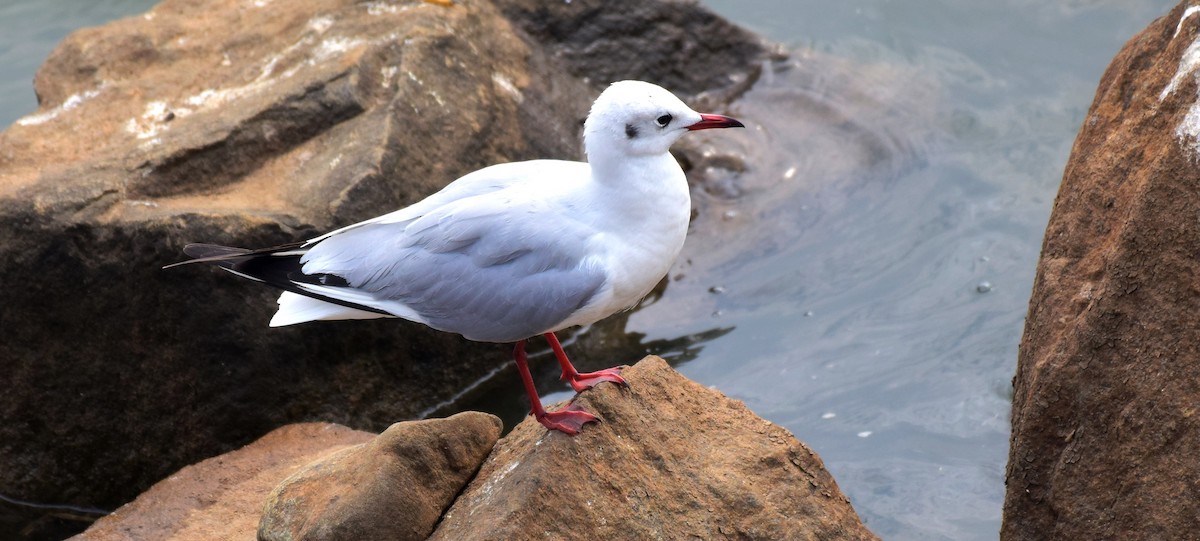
[(491, 271)]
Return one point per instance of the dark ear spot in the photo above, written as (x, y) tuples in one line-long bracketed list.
[(630, 131)]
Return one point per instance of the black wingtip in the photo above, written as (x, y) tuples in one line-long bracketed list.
[(198, 250), (208, 253)]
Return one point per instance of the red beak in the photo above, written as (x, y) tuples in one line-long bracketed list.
[(715, 121)]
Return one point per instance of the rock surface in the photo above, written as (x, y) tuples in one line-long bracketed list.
[(1105, 431), (671, 460), (394, 487), (247, 124), (675, 43), (220, 498)]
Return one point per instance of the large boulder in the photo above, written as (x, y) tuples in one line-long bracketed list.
[(225, 122), (245, 123), (671, 459), (1105, 432)]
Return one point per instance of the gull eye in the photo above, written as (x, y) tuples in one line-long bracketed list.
[(662, 121)]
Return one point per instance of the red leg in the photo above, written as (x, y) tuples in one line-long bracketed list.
[(568, 420), (582, 382)]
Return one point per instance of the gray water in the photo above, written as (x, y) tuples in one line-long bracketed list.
[(864, 282), (884, 332)]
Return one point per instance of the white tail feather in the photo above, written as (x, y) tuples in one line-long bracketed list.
[(295, 309)]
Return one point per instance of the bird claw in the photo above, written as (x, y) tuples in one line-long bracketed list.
[(569, 420), (583, 382)]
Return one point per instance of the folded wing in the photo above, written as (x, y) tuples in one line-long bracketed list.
[(490, 270)]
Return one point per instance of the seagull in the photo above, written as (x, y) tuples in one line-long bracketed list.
[(510, 251)]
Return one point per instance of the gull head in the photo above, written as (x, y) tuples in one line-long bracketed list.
[(635, 118)]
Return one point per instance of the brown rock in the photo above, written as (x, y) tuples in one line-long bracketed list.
[(251, 124), (678, 44), (671, 460), (221, 498), (1105, 437), (394, 487), (168, 128)]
